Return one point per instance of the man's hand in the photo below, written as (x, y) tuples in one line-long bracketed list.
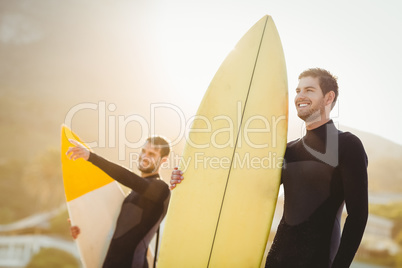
[(177, 177), (78, 151), (74, 230)]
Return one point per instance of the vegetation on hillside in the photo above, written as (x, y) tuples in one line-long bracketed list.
[(392, 211), (50, 257), (29, 187)]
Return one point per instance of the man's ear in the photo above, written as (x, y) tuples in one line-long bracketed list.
[(329, 98), (164, 159), (161, 161)]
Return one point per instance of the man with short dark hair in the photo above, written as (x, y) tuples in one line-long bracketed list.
[(142, 210), (321, 172)]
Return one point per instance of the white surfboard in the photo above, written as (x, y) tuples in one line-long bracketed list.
[(93, 200)]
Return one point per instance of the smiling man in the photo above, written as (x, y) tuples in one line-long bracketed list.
[(142, 210), (321, 172)]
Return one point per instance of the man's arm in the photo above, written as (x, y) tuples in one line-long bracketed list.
[(119, 173), (353, 168)]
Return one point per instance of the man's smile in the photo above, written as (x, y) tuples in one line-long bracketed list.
[(303, 104)]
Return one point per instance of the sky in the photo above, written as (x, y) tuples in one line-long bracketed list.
[(359, 41), (152, 51)]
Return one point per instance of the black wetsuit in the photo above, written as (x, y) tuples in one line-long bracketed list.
[(321, 172), (141, 213)]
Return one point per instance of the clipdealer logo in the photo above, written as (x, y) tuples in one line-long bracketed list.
[(112, 133), (200, 160)]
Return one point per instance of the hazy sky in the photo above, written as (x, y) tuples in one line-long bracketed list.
[(357, 40), (146, 51)]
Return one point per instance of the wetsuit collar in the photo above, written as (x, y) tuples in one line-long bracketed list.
[(317, 138), (155, 176), (322, 128)]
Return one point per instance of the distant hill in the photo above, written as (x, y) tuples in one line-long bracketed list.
[(377, 148), (385, 162)]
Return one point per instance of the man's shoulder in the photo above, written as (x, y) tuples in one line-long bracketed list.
[(351, 147), (349, 139), (160, 184), (292, 143), (158, 190)]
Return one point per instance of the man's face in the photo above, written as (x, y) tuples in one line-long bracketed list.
[(309, 100), (150, 159)]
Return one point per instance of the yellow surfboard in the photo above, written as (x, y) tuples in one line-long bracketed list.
[(93, 200), (221, 214)]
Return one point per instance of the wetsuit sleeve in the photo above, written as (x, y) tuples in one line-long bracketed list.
[(353, 169), (120, 174)]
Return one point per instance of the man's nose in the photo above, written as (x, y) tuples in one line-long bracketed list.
[(300, 96)]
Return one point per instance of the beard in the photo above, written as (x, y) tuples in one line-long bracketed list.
[(147, 169), (313, 114), (147, 166), (310, 115)]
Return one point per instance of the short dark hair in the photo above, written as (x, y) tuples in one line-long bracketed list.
[(328, 82), (161, 143)]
